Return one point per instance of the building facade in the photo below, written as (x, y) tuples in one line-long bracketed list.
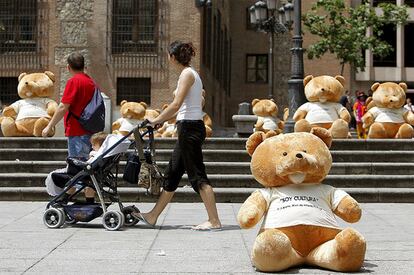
[(125, 44)]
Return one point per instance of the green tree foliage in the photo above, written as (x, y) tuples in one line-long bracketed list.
[(343, 30)]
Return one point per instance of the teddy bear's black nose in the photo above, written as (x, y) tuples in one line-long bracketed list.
[(26, 83), (323, 89), (299, 156)]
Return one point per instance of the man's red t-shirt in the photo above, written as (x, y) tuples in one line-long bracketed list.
[(78, 92)]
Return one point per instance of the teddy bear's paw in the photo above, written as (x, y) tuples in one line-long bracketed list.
[(350, 248), (323, 134), (272, 251), (254, 140)]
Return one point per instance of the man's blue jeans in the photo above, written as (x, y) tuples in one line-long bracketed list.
[(79, 147)]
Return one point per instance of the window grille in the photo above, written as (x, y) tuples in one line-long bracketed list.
[(134, 26), (257, 68), (8, 88), (133, 89), (137, 39), (18, 21), (23, 36)]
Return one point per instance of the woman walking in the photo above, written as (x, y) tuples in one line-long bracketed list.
[(187, 155)]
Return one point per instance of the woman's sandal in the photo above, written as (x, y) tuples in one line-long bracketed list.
[(138, 216)]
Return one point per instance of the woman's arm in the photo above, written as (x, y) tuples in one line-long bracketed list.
[(186, 81)]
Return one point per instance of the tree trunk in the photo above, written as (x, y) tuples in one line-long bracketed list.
[(342, 68)]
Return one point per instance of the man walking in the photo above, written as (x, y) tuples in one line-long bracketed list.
[(78, 92)]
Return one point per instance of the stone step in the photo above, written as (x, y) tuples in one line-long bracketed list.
[(223, 195), (27, 154), (220, 143), (338, 168), (230, 180)]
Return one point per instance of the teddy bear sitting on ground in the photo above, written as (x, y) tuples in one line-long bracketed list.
[(299, 211), (266, 111), (323, 109), (30, 115), (386, 117), (132, 114)]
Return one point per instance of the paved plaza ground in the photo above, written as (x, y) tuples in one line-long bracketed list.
[(28, 247)]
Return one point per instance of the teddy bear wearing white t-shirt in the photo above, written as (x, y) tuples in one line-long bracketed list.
[(388, 118), (30, 115), (299, 224), (323, 110)]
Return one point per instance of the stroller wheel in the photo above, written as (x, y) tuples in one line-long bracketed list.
[(54, 218), (69, 220), (129, 219), (113, 220)]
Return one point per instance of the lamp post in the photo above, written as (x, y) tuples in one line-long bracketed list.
[(285, 21), (295, 83), (263, 17)]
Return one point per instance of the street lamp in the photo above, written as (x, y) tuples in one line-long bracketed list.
[(267, 22), (263, 17)]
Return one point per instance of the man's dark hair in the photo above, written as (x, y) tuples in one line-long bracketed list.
[(76, 61)]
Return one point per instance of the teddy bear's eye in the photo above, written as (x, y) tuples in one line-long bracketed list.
[(304, 151), (285, 154)]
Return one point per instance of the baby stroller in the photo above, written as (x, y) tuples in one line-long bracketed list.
[(98, 174)]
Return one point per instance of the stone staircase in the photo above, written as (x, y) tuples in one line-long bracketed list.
[(372, 171)]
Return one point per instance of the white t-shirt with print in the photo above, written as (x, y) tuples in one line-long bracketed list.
[(31, 107), (269, 122), (318, 112), (388, 115), (128, 124), (307, 204)]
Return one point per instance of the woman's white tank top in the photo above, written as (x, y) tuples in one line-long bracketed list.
[(191, 109)]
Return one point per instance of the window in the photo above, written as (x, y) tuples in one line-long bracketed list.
[(133, 89), (257, 68), (409, 3), (18, 21), (377, 2), (8, 88), (207, 36), (134, 26), (409, 44), (390, 35)]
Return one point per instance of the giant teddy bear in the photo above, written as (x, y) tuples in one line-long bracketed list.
[(132, 114), (386, 117), (30, 115), (299, 225), (266, 111), (323, 110)]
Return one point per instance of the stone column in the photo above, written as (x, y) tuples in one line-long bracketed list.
[(73, 17)]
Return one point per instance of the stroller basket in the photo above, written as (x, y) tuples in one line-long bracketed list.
[(83, 212)]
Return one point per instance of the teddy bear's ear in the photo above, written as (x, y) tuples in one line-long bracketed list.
[(404, 86), (323, 134), (375, 86), (123, 102), (254, 102), (50, 75), (307, 79), (21, 76), (341, 79), (255, 139), (144, 104)]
